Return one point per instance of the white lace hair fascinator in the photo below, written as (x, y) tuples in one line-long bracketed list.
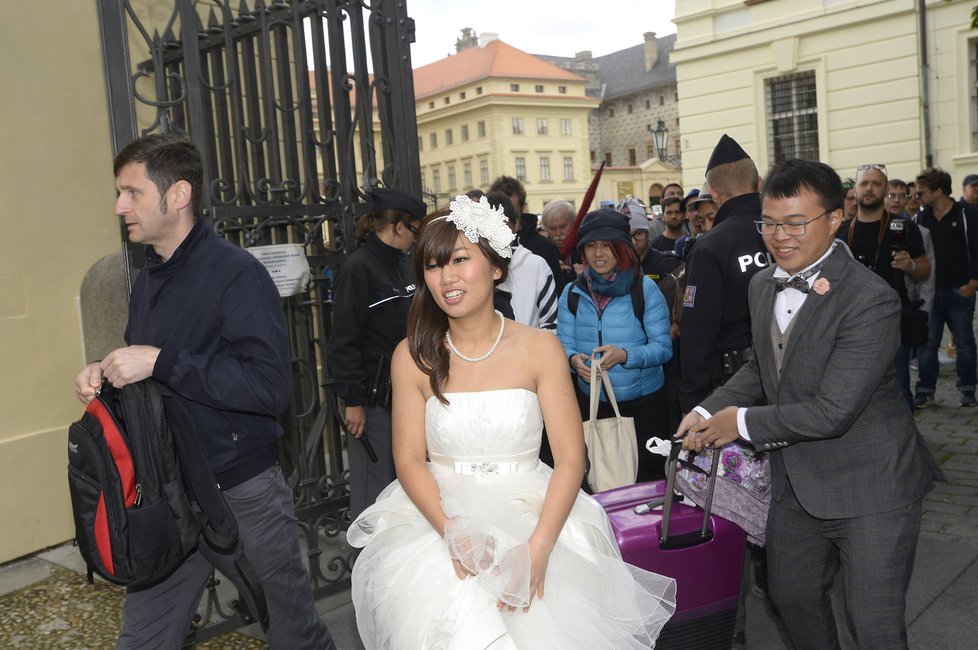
[(479, 219)]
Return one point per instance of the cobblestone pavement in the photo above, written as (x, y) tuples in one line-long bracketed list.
[(951, 432)]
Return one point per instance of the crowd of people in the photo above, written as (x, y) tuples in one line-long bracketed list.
[(780, 313)]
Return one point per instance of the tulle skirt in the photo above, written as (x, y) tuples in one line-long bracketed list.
[(407, 595)]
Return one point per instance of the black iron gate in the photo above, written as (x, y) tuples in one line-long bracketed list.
[(294, 127)]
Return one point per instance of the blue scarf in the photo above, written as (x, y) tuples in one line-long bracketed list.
[(618, 283)]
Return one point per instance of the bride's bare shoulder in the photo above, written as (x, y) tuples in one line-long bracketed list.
[(532, 340)]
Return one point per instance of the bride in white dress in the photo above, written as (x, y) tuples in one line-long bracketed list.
[(478, 544)]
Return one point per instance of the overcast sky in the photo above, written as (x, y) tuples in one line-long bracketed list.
[(557, 27)]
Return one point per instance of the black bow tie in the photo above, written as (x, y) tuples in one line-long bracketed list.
[(794, 282), (798, 281)]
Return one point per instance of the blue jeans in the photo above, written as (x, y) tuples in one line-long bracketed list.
[(958, 313)]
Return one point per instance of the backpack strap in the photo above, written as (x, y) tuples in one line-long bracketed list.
[(637, 295), (219, 528)]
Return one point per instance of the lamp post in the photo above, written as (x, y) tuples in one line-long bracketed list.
[(660, 137)]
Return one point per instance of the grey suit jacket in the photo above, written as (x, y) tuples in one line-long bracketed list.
[(834, 421)]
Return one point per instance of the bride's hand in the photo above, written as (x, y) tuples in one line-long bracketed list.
[(533, 557), (472, 551), (539, 557)]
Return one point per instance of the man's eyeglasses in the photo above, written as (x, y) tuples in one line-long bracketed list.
[(897, 195), (795, 229), (877, 166)]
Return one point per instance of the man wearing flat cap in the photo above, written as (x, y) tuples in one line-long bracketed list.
[(715, 326), (373, 291)]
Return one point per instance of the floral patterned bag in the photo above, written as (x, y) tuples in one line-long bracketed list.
[(743, 490)]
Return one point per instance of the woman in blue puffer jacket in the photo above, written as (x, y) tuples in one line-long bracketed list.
[(605, 325)]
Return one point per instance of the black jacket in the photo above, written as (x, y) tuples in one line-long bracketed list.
[(715, 317), (536, 243), (216, 316), (955, 240), (371, 300)]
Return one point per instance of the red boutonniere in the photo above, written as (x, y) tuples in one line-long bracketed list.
[(821, 286)]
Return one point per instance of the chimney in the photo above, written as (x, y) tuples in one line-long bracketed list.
[(487, 37), (466, 40), (583, 55), (651, 51)]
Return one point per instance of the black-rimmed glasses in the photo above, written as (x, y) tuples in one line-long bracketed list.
[(898, 195), (793, 229)]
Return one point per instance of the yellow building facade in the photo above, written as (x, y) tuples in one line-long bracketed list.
[(56, 217), (493, 110), (844, 81)]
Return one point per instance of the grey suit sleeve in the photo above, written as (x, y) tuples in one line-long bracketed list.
[(743, 389), (854, 364)]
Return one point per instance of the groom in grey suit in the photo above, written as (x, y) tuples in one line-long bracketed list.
[(849, 468)]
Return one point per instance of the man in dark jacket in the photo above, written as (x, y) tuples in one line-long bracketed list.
[(205, 319), (715, 326)]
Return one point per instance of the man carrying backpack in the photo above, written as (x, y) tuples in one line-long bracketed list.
[(205, 320)]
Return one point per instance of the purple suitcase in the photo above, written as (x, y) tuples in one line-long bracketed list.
[(703, 552)]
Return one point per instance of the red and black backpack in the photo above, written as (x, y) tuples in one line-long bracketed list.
[(134, 521)]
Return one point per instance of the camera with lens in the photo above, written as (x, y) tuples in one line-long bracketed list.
[(899, 231)]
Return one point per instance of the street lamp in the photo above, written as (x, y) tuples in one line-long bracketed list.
[(660, 135)]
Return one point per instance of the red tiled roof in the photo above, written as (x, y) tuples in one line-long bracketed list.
[(496, 59)]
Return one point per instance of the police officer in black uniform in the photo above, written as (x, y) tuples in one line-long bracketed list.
[(373, 292), (715, 327)]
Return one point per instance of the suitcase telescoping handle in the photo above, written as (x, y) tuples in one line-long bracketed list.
[(692, 538)]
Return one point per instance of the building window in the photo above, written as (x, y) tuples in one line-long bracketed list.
[(648, 103), (461, 95), (436, 180), (607, 158), (431, 104), (792, 117), (544, 168), (632, 158), (448, 137), (517, 126), (480, 128), (451, 178), (650, 151), (420, 143), (611, 112), (478, 90), (568, 168), (629, 109), (464, 132), (467, 175), (676, 96), (447, 100), (424, 183), (521, 169), (594, 155), (662, 100), (562, 90), (565, 127), (484, 172), (515, 88), (433, 140), (538, 88), (541, 126), (973, 86)]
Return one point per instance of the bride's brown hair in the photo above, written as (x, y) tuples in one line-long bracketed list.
[(427, 323)]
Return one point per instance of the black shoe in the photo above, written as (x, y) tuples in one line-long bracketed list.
[(968, 399), (923, 400)]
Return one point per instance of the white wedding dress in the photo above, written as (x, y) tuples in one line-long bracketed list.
[(483, 449)]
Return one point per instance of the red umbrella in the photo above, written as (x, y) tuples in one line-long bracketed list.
[(570, 242)]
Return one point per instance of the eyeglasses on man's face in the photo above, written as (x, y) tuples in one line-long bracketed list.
[(898, 195), (790, 228)]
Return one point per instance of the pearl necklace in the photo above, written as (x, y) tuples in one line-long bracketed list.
[(499, 337)]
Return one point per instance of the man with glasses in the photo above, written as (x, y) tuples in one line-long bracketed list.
[(889, 245), (897, 197), (849, 468), (953, 228)]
